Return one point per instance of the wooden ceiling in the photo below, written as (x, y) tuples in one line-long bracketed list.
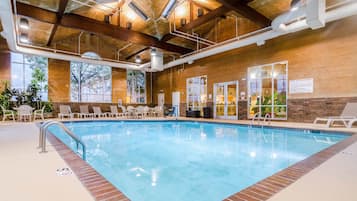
[(59, 23)]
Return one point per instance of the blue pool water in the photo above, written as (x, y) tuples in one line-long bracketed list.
[(190, 161)]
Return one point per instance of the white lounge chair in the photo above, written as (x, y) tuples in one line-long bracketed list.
[(84, 112), (114, 112), (350, 124), (348, 115), (7, 113), (98, 112), (131, 111), (39, 113), (124, 112), (139, 112), (65, 111)]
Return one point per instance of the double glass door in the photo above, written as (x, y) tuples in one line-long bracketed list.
[(226, 100)]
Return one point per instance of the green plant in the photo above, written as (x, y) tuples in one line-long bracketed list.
[(48, 106)]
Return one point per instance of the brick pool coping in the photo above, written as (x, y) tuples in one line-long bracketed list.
[(102, 190)]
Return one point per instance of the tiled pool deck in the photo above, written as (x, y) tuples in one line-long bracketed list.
[(268, 189)]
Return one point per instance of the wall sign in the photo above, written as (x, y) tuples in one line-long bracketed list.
[(301, 86)]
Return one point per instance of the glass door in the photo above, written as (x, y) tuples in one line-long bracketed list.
[(219, 100), (226, 100)]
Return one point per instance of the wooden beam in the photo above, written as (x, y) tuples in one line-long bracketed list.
[(36, 13), (60, 12), (136, 53), (93, 26), (241, 7), (199, 21)]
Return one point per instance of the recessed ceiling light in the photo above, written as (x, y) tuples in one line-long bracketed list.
[(24, 24)]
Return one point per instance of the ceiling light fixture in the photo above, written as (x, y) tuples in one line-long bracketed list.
[(137, 59), (24, 38), (24, 23), (183, 21), (294, 5), (138, 11), (180, 11), (130, 15), (153, 52), (168, 8), (199, 12)]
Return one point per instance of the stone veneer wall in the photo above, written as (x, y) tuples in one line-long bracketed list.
[(299, 110)]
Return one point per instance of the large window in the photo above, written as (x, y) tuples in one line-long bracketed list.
[(267, 90), (90, 82), (136, 82), (27, 70)]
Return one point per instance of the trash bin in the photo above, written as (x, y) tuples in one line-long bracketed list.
[(206, 112)]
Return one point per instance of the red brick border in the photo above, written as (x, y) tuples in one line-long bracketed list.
[(265, 189), (102, 190)]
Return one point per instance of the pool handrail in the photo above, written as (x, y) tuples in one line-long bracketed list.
[(43, 136)]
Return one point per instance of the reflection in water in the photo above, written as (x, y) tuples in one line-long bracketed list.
[(193, 161)]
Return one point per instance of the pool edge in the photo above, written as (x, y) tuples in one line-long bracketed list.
[(262, 190), (99, 187), (268, 187)]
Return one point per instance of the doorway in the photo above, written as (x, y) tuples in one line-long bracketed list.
[(226, 100)]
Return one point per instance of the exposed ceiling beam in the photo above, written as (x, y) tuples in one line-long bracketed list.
[(241, 7), (201, 6), (199, 21), (36, 13), (136, 53), (60, 12), (93, 26)]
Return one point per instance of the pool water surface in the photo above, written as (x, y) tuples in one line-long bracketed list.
[(190, 161)]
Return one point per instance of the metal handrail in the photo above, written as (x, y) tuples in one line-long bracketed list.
[(43, 136), (267, 116), (256, 116)]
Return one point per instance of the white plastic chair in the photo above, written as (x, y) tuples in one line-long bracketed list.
[(24, 112), (39, 113), (7, 113), (65, 111), (124, 111), (114, 111), (348, 115), (98, 112), (84, 112)]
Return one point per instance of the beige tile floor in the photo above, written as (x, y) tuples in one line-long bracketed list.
[(27, 175)]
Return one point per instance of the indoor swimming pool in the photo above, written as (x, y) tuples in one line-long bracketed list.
[(185, 160)]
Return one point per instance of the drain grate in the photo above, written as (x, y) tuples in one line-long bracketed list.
[(63, 171), (347, 153)]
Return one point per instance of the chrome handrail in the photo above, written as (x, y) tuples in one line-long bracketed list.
[(256, 116), (267, 116), (43, 136)]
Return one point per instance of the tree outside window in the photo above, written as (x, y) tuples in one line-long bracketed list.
[(136, 82), (90, 82), (29, 70)]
